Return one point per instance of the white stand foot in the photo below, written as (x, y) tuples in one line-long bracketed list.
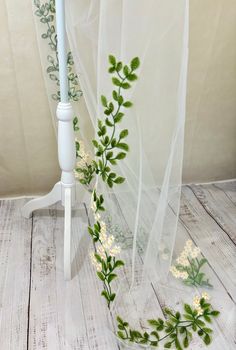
[(52, 197), (66, 195)]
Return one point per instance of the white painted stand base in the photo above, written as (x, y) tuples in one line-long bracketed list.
[(62, 193), (69, 196), (38, 203), (66, 191)]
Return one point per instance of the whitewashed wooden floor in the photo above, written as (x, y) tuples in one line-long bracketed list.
[(39, 311)]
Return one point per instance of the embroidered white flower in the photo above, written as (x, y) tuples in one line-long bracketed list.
[(196, 302), (97, 217), (178, 274), (78, 176), (95, 262), (206, 296), (93, 206), (173, 270), (184, 260), (84, 158), (197, 306), (199, 310), (195, 252), (184, 254), (107, 246), (184, 275), (114, 251)]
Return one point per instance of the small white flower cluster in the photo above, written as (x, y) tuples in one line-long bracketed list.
[(196, 302), (84, 160), (94, 261), (187, 254), (178, 274), (107, 241)]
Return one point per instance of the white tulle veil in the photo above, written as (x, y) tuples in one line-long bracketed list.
[(157, 32), (142, 213)]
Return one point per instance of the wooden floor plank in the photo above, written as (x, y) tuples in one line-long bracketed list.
[(15, 246), (72, 315), (219, 206), (229, 188)]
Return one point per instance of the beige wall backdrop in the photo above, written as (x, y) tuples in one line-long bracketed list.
[(210, 137), (28, 156)]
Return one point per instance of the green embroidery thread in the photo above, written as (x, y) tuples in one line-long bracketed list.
[(45, 11)]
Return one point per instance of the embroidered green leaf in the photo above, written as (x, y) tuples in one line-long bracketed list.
[(135, 63), (174, 330)]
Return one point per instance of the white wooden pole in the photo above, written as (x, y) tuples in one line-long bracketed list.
[(66, 142), (64, 190), (61, 48)]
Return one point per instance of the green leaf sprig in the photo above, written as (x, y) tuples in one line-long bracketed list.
[(175, 331), (110, 147), (195, 276), (189, 267), (105, 262), (107, 275)]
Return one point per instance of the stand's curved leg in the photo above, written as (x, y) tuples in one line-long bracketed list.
[(52, 197), (67, 234)]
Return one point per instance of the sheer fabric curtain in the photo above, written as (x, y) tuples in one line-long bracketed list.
[(157, 32)]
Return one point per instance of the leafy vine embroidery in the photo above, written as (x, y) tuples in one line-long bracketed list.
[(45, 11), (177, 329)]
